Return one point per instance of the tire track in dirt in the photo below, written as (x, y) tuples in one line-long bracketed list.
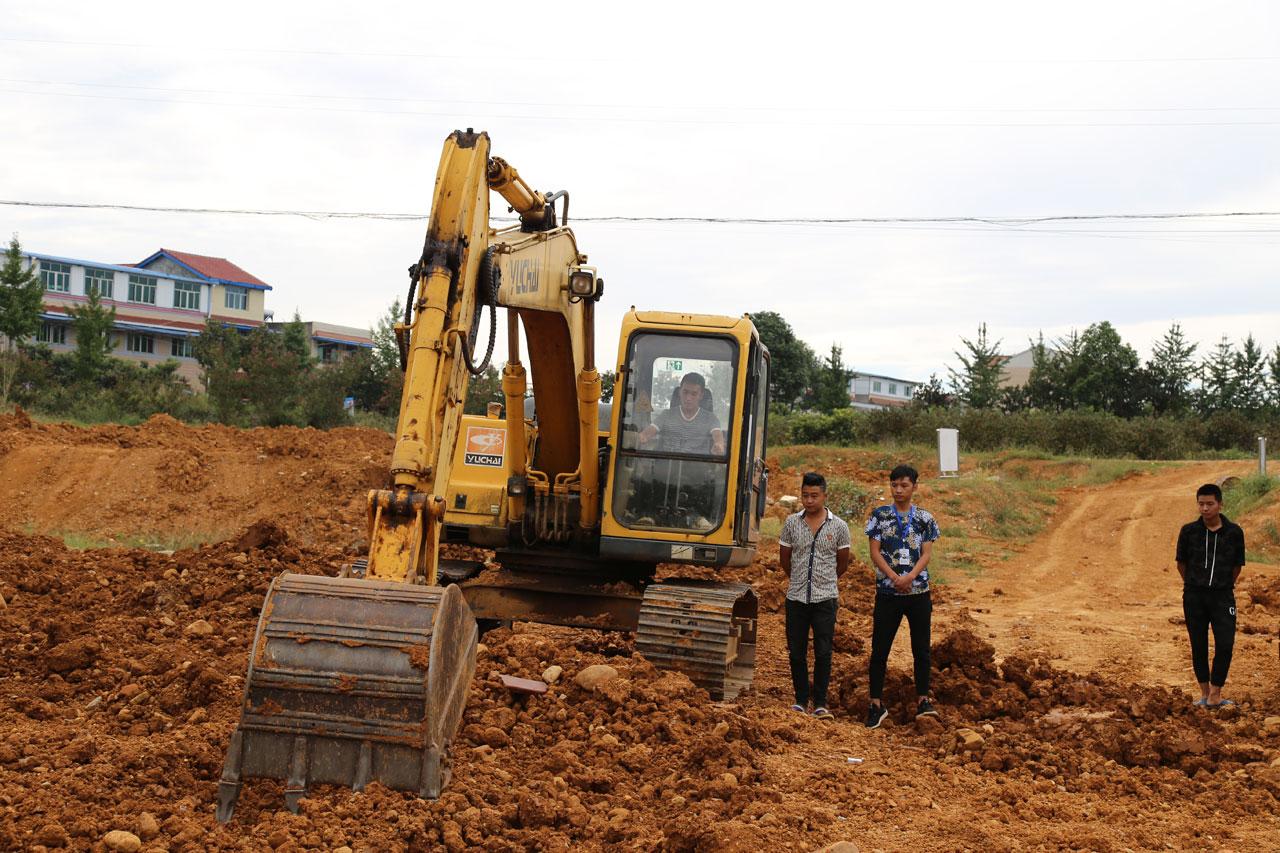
[(1098, 591)]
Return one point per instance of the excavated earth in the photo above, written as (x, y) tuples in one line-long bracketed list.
[(124, 672)]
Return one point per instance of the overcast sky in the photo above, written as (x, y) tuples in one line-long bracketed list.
[(921, 110)]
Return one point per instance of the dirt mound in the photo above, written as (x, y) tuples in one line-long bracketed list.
[(167, 483)]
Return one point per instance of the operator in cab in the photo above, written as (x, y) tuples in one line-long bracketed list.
[(687, 427)]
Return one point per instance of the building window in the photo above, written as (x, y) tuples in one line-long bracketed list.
[(180, 347), (906, 390), (138, 342), (238, 298), (186, 294), (875, 386), (52, 333), (893, 388), (56, 277), (328, 354), (142, 288), (104, 280)]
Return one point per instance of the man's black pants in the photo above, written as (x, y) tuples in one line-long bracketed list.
[(885, 619), (1206, 608), (820, 618)]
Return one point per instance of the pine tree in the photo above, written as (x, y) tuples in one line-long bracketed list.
[(1250, 368), (978, 384), (1170, 372), (931, 394), (1218, 378), (832, 391), (21, 298), (1042, 388), (296, 342), (92, 323), (1273, 379)]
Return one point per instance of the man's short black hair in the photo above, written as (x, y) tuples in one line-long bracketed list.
[(1210, 489), (904, 471), (813, 478), (694, 379)]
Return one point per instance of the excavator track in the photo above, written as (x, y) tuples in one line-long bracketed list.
[(352, 681), (705, 630)]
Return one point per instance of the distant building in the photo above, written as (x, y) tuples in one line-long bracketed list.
[(162, 303), (873, 391), (331, 344), (1016, 368)]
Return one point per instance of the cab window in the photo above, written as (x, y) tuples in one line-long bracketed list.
[(672, 463)]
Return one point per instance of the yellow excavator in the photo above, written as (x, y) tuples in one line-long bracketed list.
[(364, 677)]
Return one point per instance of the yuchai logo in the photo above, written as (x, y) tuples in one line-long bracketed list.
[(485, 446), (525, 274)]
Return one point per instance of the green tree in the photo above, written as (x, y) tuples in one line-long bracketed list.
[(1218, 378), (1273, 378), (1109, 377), (294, 338), (483, 390), (21, 297), (793, 367), (931, 394), (92, 323), (1250, 368), (1043, 388), (1170, 372), (607, 380), (977, 384), (218, 351), (274, 378), (831, 391)]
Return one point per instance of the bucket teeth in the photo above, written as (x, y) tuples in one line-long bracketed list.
[(296, 787)]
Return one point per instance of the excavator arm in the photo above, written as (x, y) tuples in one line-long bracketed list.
[(404, 519), (364, 677)]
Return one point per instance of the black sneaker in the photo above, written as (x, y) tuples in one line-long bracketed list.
[(876, 715), (925, 709)]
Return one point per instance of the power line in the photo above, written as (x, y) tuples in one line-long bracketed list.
[(983, 60), (626, 106), (995, 221), (786, 122)]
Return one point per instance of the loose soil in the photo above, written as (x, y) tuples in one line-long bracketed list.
[(1065, 719)]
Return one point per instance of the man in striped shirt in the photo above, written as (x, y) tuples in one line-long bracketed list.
[(814, 552), (687, 427)]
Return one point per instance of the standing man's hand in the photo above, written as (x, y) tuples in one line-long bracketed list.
[(902, 583)]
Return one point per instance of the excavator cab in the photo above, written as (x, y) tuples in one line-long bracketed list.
[(688, 476)]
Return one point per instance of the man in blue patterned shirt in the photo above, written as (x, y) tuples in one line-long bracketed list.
[(900, 537)]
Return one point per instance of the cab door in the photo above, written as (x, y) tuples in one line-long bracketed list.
[(753, 476)]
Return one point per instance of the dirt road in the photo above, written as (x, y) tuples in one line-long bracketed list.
[(1099, 592)]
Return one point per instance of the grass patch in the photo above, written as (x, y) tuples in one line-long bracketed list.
[(847, 498), (1099, 472), (81, 541), (1248, 494), (770, 527)]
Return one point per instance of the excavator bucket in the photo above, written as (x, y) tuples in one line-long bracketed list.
[(352, 681)]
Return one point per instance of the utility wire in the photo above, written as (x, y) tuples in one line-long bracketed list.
[(1016, 221), (623, 119), (627, 106), (1038, 60)]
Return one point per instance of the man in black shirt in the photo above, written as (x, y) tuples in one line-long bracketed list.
[(1210, 555)]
